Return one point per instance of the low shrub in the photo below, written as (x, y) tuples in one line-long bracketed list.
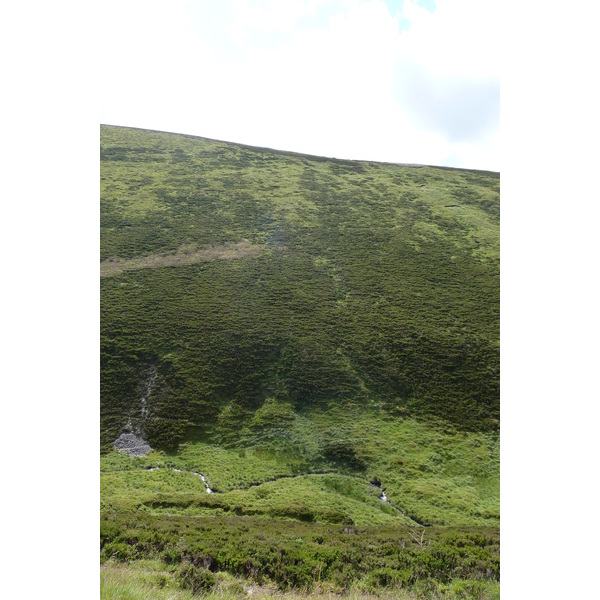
[(171, 556), (294, 510), (293, 553), (196, 579), (387, 577), (119, 551)]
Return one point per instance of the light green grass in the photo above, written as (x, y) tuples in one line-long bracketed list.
[(151, 580), (432, 476)]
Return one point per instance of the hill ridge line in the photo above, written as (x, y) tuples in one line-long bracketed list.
[(302, 154)]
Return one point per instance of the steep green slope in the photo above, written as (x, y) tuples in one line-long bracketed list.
[(245, 288)]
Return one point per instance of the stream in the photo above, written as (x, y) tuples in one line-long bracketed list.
[(206, 484), (137, 446), (208, 490), (379, 488), (383, 497)]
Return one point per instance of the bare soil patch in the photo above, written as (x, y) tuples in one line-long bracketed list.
[(186, 255)]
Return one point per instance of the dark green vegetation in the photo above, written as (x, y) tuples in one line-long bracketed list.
[(298, 328), (298, 554)]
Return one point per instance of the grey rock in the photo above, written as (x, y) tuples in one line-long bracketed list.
[(132, 445)]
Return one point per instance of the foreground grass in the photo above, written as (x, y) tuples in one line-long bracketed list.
[(152, 580), (295, 554), (140, 581)]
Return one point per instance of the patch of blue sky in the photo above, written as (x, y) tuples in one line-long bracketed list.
[(428, 4), (395, 6), (395, 9)]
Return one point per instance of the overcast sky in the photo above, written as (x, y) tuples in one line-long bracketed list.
[(389, 80)]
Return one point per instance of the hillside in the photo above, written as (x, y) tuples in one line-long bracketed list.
[(319, 339), (242, 274)]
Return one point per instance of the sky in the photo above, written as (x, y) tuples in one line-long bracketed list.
[(413, 81)]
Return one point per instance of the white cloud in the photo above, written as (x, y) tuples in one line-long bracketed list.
[(269, 16), (460, 37), (338, 78), (447, 76)]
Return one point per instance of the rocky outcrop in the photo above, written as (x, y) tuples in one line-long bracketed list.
[(132, 444)]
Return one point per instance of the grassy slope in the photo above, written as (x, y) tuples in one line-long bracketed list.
[(331, 321), (376, 284)]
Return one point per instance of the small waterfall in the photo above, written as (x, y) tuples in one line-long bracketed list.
[(149, 386), (208, 490), (382, 497)]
